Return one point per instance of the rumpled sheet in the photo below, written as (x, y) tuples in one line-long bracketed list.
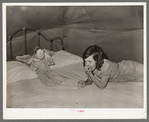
[(19, 71), (32, 94)]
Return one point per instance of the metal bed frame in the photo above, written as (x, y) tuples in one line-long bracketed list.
[(24, 30)]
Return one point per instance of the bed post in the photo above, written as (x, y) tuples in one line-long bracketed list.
[(11, 54), (25, 42), (62, 43), (51, 44), (51, 40), (38, 32)]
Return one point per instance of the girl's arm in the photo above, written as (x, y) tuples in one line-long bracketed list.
[(101, 83)]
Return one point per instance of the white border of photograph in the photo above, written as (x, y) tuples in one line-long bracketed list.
[(72, 113)]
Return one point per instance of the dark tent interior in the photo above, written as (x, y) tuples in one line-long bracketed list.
[(119, 30)]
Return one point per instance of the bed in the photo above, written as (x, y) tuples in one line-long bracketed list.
[(24, 90)]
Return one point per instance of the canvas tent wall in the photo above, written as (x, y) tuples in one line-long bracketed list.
[(117, 29)]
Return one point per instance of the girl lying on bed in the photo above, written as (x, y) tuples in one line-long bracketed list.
[(101, 71), (40, 63)]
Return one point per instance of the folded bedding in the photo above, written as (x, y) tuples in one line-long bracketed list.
[(73, 71), (63, 58), (19, 71)]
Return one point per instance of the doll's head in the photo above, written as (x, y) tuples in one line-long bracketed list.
[(94, 57), (39, 53)]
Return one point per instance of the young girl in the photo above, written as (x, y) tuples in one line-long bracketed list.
[(40, 63), (101, 71)]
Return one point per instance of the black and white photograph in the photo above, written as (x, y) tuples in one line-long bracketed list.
[(74, 60)]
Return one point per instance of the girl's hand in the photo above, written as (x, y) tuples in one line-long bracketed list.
[(96, 72), (87, 69), (81, 84)]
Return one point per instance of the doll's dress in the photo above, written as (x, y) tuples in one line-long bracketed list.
[(46, 76)]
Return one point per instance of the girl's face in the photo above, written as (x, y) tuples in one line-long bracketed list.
[(39, 54), (90, 63)]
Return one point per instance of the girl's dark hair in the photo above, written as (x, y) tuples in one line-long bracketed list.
[(35, 50), (98, 55)]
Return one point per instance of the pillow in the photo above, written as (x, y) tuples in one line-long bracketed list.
[(19, 71), (63, 58)]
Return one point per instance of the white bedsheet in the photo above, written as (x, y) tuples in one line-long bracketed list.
[(32, 94)]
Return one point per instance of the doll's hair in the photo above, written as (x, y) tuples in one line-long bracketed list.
[(97, 53), (36, 49)]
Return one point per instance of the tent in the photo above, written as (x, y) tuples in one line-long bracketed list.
[(117, 29)]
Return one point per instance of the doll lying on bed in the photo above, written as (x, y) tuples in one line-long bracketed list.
[(101, 71), (40, 63)]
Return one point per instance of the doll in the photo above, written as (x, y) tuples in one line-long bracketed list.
[(40, 63)]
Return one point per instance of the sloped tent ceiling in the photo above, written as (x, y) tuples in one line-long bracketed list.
[(38, 18), (117, 29)]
